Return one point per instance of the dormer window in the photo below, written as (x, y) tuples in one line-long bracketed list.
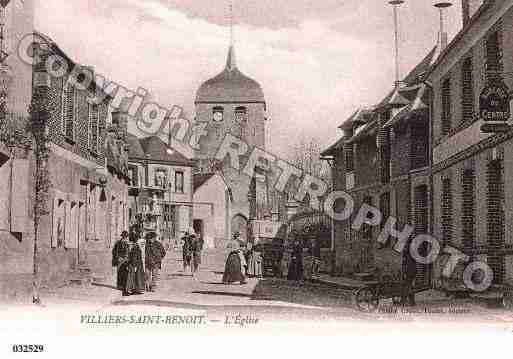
[(68, 111), (218, 114)]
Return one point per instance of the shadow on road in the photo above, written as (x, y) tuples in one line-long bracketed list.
[(104, 285), (228, 294), (302, 293)]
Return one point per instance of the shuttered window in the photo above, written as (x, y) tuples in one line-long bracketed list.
[(68, 111), (94, 128), (493, 51), (468, 208), (446, 211), (446, 106), (467, 91), (496, 219), (349, 157)]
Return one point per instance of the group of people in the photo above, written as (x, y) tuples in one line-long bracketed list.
[(192, 245), (135, 276), (243, 262)]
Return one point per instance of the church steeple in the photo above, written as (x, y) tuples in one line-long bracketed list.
[(231, 64)]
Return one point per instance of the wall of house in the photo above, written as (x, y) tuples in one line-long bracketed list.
[(216, 217)]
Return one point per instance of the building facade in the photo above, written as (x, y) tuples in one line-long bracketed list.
[(212, 209), (382, 160), (232, 103), (87, 170), (161, 188), (473, 202)]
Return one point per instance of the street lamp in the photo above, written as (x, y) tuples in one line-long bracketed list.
[(396, 4), (441, 6)]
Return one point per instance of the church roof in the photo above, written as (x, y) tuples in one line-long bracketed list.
[(230, 86), (200, 179)]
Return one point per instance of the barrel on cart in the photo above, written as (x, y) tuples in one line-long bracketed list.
[(269, 238)]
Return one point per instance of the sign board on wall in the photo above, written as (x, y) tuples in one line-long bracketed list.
[(494, 107)]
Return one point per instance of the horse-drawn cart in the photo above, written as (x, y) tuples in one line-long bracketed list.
[(369, 297)]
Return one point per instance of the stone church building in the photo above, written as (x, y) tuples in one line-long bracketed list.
[(232, 103)]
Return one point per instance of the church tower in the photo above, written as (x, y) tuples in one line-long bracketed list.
[(233, 103), (230, 102)]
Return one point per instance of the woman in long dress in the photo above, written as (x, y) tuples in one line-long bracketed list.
[(255, 262), (235, 268), (135, 279), (296, 262)]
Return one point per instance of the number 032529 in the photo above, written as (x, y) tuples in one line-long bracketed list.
[(28, 348)]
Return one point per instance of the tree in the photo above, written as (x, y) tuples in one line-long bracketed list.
[(37, 128)]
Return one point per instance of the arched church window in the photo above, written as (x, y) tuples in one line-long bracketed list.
[(218, 114)]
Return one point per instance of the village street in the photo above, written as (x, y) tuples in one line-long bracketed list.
[(182, 303)]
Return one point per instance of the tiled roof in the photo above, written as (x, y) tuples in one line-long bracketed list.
[(154, 149)]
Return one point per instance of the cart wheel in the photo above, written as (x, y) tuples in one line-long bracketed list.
[(397, 300), (507, 300), (366, 300)]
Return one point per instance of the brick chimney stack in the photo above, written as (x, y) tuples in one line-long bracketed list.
[(469, 8)]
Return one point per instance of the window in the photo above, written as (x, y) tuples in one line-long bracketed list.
[(446, 106), (68, 111), (179, 182), (468, 208), (218, 114), (493, 51), (94, 128), (446, 211), (367, 228), (419, 145), (134, 176), (349, 157), (241, 120), (385, 155), (384, 207), (467, 91), (160, 178), (496, 219)]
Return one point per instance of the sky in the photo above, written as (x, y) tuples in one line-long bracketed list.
[(316, 60)]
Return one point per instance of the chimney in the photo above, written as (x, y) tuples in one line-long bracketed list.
[(469, 8), (442, 35)]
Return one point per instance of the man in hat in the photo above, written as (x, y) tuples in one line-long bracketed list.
[(154, 253), (120, 260)]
